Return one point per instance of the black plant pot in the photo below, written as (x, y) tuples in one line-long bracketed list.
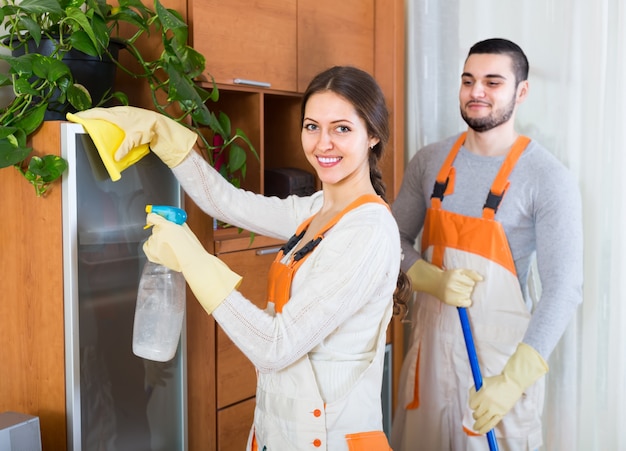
[(96, 74)]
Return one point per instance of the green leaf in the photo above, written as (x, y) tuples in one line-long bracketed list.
[(236, 158), (80, 40), (180, 87), (10, 156), (42, 172), (169, 18), (21, 64), (78, 96), (240, 134), (133, 12), (215, 125), (225, 124), (200, 113), (121, 97), (11, 150), (215, 93), (224, 171), (5, 80), (99, 8), (101, 32), (81, 19), (203, 93), (48, 168), (41, 6), (22, 86), (136, 5), (10, 132), (32, 27), (193, 62), (50, 69), (30, 122), (78, 3)]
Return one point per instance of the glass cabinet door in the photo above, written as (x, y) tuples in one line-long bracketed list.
[(116, 401)]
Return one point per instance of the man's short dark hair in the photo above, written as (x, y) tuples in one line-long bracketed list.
[(504, 47)]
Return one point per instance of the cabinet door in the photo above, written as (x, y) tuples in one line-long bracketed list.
[(332, 32), (247, 40)]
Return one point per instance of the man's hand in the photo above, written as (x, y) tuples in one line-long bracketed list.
[(499, 393), (453, 287)]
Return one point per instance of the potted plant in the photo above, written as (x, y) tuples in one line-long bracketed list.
[(44, 82)]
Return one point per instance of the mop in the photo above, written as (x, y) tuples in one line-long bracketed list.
[(473, 359)]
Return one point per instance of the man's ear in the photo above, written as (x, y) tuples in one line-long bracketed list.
[(522, 91)]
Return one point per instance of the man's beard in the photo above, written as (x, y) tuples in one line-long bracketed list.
[(495, 119)]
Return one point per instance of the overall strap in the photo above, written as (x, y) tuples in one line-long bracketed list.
[(300, 254), (501, 182), (279, 283), (444, 183)]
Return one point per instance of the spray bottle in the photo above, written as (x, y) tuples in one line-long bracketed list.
[(160, 304)]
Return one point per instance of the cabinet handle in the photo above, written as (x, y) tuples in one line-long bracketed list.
[(270, 250), (243, 81)]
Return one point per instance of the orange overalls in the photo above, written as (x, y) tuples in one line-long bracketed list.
[(436, 375), (290, 413)]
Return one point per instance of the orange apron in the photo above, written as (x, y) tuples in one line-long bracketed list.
[(290, 413), (436, 376)]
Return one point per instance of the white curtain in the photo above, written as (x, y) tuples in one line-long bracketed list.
[(577, 109)]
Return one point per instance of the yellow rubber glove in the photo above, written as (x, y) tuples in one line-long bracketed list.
[(453, 287), (499, 393), (107, 138), (168, 139), (176, 247)]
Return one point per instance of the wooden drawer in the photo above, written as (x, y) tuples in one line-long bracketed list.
[(253, 266), (233, 426), (236, 376)]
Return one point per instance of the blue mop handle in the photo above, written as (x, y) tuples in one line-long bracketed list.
[(473, 359)]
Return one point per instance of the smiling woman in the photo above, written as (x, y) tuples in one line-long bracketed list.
[(333, 286), (336, 142)]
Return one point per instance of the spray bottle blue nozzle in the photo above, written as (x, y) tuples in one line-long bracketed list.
[(172, 214)]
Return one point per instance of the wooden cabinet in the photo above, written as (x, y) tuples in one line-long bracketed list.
[(284, 43), (32, 365), (242, 40), (332, 32)]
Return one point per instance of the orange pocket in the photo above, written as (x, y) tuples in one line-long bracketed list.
[(415, 402), (368, 441), (254, 446)]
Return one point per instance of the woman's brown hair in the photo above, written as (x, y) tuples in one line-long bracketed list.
[(363, 92)]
